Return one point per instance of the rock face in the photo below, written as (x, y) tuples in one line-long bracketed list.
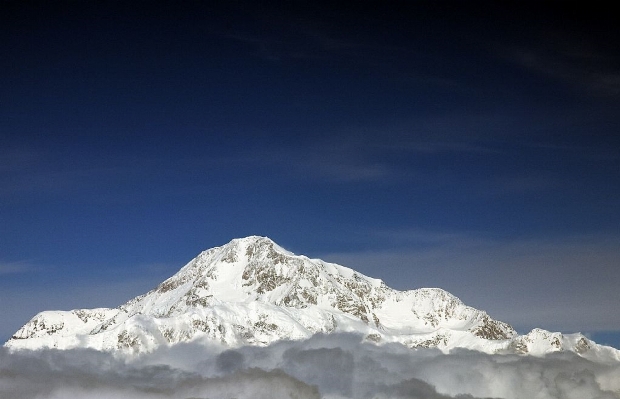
[(253, 292)]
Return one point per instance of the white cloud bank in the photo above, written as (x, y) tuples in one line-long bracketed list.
[(335, 366)]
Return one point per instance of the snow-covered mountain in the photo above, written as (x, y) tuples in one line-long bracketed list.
[(253, 292)]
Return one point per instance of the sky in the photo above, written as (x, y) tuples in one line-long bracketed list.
[(471, 146)]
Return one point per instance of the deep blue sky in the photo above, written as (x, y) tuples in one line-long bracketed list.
[(470, 146)]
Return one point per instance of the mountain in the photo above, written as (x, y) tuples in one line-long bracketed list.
[(253, 292)]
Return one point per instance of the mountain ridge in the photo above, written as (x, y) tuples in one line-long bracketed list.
[(251, 291)]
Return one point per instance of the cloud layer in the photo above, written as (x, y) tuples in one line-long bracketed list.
[(335, 366)]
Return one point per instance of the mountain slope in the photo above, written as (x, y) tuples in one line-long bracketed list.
[(253, 292)]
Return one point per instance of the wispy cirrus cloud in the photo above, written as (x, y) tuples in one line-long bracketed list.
[(430, 150), (16, 267), (572, 60)]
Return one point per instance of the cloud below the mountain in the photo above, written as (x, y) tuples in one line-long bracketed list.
[(335, 366)]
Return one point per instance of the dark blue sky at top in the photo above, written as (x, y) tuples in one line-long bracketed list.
[(134, 135)]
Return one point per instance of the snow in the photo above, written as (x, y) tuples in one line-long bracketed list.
[(253, 292)]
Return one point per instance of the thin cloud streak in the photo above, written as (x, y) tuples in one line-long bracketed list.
[(16, 267), (572, 61), (388, 153)]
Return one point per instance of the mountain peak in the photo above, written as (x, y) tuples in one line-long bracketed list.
[(251, 291), (250, 247)]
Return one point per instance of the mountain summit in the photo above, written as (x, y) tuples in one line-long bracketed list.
[(253, 292)]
